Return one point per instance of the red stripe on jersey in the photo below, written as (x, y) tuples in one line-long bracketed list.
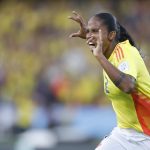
[(117, 56), (142, 106), (121, 51)]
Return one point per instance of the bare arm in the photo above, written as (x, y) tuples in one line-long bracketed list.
[(123, 81)]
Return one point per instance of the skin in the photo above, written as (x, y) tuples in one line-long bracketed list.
[(97, 31), (79, 19), (102, 43)]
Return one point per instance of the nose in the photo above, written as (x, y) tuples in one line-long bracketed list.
[(89, 35)]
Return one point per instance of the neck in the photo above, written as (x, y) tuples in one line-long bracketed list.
[(111, 49)]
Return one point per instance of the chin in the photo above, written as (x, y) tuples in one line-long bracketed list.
[(104, 52)]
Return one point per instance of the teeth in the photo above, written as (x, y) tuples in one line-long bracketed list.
[(90, 43)]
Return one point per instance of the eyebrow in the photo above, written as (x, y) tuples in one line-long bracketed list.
[(91, 29), (98, 26)]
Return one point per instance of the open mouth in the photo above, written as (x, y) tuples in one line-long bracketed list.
[(92, 45)]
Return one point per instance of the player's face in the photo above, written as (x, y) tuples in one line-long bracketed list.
[(93, 27)]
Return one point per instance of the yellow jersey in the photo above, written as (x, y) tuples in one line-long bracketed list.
[(132, 110)]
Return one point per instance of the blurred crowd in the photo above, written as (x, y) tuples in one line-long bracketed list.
[(42, 71)]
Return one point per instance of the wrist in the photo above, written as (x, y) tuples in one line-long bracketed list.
[(99, 56)]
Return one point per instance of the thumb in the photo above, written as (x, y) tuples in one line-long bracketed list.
[(74, 35)]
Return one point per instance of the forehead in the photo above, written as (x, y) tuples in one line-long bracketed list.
[(95, 23)]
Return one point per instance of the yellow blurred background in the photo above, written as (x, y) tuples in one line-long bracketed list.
[(41, 68)]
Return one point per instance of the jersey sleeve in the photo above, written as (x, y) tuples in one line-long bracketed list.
[(127, 58)]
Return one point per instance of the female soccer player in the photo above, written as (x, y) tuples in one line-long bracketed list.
[(126, 80)]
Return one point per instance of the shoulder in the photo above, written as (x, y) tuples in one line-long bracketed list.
[(124, 50), (125, 56)]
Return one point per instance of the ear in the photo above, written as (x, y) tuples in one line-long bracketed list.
[(112, 35)]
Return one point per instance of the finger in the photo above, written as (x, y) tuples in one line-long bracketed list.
[(75, 13), (77, 17), (72, 17), (100, 37), (90, 39), (74, 35)]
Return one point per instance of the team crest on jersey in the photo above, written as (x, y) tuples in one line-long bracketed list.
[(124, 66)]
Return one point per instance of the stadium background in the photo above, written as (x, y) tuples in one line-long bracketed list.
[(51, 87)]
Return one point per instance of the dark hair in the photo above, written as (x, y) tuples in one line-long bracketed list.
[(113, 25)]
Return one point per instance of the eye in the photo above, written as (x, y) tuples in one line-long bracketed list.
[(94, 30)]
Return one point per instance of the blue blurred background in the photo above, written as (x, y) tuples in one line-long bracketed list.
[(51, 87)]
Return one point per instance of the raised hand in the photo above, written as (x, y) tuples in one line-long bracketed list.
[(79, 19), (98, 49)]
